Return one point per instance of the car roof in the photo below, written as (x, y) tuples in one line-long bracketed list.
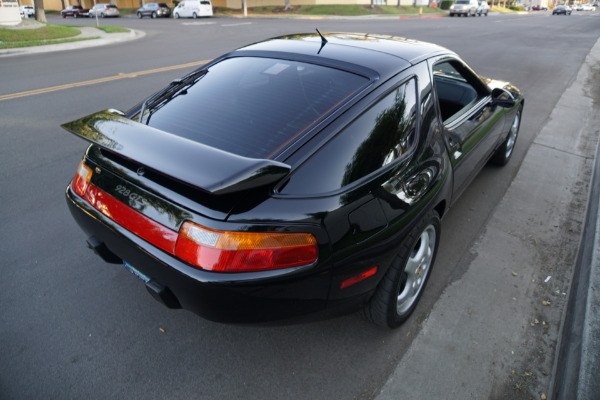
[(380, 53)]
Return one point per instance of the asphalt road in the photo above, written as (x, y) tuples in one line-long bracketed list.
[(74, 327)]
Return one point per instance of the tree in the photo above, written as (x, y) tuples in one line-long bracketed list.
[(40, 15), (287, 5)]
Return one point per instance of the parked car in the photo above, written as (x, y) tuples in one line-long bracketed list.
[(483, 8), (596, 4), (103, 10), (562, 10), (464, 7), (586, 7), (75, 12), (154, 10), (304, 174), (538, 7), (27, 11), (193, 9)]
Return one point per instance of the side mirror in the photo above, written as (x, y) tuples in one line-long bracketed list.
[(503, 98)]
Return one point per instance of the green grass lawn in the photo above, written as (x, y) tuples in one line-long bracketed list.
[(49, 34), (112, 29)]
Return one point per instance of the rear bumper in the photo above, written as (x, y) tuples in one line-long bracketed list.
[(234, 298)]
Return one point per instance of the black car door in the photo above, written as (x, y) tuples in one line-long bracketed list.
[(471, 124)]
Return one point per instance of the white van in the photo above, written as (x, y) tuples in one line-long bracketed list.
[(193, 9)]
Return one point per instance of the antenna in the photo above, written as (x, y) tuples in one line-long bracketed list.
[(323, 41)]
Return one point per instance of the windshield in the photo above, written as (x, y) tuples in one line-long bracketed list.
[(250, 106), (462, 2)]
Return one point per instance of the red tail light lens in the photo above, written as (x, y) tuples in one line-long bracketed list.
[(82, 178), (211, 250), (222, 251)]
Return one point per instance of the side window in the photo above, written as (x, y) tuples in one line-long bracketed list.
[(378, 137), (456, 87)]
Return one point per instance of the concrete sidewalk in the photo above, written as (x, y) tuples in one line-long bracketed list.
[(103, 39), (494, 332)]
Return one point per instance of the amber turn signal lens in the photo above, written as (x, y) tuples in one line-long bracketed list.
[(82, 178), (223, 251)]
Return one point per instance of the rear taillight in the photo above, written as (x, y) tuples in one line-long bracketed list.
[(82, 178), (207, 249), (222, 251)]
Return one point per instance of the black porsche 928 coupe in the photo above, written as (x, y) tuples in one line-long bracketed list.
[(302, 175)]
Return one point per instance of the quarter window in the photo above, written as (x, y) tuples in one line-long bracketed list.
[(378, 137)]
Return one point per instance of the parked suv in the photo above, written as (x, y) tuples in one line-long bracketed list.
[(464, 7), (104, 10), (154, 10), (75, 12)]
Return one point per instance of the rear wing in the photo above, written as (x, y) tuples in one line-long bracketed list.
[(204, 167)]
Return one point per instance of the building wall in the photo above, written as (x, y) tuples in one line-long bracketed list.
[(236, 4), (58, 4), (9, 12)]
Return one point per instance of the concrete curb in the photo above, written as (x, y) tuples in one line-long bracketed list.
[(577, 366)]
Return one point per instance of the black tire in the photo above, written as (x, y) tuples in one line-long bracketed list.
[(75, 15), (194, 15), (64, 16), (399, 291), (153, 14), (139, 15), (102, 15), (502, 156), (176, 15)]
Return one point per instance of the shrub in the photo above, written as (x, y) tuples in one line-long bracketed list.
[(445, 4)]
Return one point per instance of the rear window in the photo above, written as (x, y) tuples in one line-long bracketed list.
[(252, 106)]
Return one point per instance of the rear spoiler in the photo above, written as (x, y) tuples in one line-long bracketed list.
[(207, 168)]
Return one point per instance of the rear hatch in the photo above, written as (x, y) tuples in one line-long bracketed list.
[(143, 167), (207, 142)]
